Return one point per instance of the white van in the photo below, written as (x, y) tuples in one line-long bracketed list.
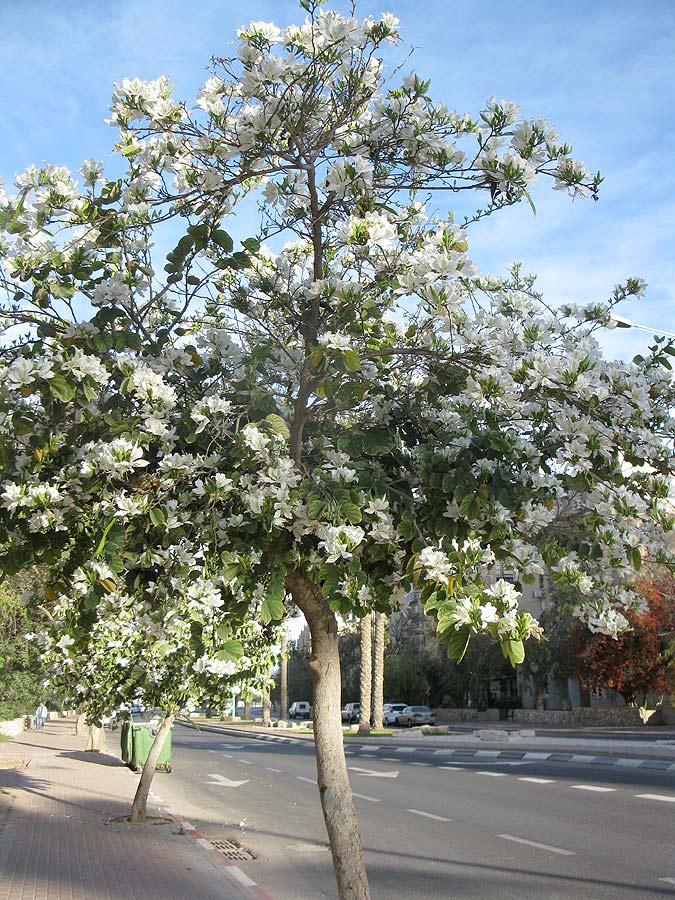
[(301, 709)]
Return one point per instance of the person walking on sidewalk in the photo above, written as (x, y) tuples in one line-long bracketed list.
[(40, 716)]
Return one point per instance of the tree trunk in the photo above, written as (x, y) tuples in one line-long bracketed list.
[(96, 739), (378, 670), (79, 724), (333, 780), (266, 715), (366, 673), (283, 676), (247, 708), (140, 805)]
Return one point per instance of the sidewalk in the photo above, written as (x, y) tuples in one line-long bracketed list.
[(54, 844)]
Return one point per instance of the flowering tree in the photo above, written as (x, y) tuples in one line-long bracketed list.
[(640, 661), (337, 407), (101, 652)]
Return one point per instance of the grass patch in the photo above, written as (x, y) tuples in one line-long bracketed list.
[(374, 733)]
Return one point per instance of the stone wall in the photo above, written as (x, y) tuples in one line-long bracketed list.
[(600, 716), (466, 715), (12, 727)]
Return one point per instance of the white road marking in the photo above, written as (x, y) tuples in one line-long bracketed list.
[(366, 797), (241, 878), (494, 774), (388, 759), (244, 762), (517, 840), (230, 746), (211, 751), (663, 797), (594, 787), (367, 755), (419, 764), (420, 812), (371, 773), (538, 780), (668, 880), (227, 755), (368, 748), (270, 769), (450, 767), (308, 780), (221, 781)]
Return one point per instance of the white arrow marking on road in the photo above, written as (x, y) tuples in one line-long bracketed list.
[(370, 773), (221, 781)]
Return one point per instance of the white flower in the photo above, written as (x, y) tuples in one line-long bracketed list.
[(334, 341), (254, 438), (437, 564)]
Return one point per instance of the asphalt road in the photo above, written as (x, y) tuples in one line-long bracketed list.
[(432, 828)]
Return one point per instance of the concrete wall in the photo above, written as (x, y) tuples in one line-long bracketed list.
[(12, 727)]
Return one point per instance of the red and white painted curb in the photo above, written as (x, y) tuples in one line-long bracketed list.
[(235, 871)]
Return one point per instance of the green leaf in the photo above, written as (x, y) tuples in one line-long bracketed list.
[(272, 609), (458, 641), (315, 507), (157, 516), (278, 425), (104, 537), (230, 651), (514, 651), (61, 389), (352, 360), (350, 511), (223, 240)]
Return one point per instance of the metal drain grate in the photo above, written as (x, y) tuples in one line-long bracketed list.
[(232, 850)]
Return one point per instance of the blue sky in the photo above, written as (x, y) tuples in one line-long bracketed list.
[(602, 72)]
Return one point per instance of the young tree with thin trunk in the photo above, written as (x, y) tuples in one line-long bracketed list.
[(335, 407), (378, 669), (366, 681), (157, 656)]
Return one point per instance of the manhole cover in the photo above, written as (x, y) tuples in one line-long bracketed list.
[(232, 850)]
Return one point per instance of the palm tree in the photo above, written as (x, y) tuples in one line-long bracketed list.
[(283, 675), (378, 670), (366, 673)]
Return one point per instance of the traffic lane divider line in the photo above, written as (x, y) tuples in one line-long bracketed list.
[(536, 845), (427, 815)]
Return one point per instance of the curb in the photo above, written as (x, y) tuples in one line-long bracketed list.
[(255, 891), (204, 844)]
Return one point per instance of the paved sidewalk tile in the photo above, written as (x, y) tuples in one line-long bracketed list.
[(55, 845)]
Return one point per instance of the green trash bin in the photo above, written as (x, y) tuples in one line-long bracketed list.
[(138, 743)]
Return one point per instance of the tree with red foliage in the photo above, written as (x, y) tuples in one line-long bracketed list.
[(639, 662)]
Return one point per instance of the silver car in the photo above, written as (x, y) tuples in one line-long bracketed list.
[(415, 715)]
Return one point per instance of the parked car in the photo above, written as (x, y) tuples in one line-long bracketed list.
[(415, 715), (351, 712), (390, 711), (301, 709)]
